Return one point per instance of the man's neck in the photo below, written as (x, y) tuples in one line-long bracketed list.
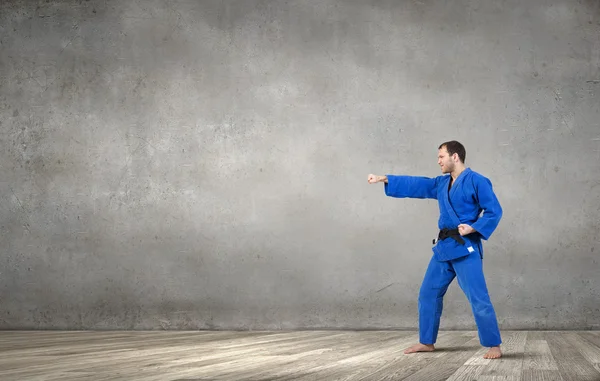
[(457, 171)]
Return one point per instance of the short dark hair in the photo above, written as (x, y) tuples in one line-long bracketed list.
[(455, 147)]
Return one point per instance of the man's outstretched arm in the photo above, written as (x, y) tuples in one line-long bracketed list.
[(406, 186)]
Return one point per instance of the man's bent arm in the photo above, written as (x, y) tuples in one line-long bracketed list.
[(492, 211)]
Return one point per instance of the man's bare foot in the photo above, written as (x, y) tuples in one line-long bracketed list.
[(420, 348), (493, 353)]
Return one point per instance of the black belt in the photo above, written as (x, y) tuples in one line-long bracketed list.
[(450, 233)]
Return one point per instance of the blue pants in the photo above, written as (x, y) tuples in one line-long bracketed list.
[(439, 275)]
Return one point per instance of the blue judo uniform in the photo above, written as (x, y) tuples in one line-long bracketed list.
[(462, 203)]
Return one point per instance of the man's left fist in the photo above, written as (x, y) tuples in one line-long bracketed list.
[(464, 229)]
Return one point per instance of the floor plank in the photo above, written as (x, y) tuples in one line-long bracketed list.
[(538, 356), (540, 375), (571, 363), (594, 339)]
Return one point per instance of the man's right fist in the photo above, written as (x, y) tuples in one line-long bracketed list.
[(372, 179)]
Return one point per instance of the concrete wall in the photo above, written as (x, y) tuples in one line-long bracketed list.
[(203, 164)]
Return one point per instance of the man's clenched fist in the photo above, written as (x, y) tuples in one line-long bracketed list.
[(372, 179), (464, 229)]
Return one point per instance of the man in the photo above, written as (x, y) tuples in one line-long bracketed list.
[(462, 196)]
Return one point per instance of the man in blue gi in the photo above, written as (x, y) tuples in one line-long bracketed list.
[(462, 196)]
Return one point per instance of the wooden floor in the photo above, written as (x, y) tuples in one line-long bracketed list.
[(304, 355)]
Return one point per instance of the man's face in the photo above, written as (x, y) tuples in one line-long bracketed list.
[(445, 161)]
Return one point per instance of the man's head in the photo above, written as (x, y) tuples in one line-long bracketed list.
[(450, 154)]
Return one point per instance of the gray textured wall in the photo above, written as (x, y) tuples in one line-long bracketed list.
[(202, 164)]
